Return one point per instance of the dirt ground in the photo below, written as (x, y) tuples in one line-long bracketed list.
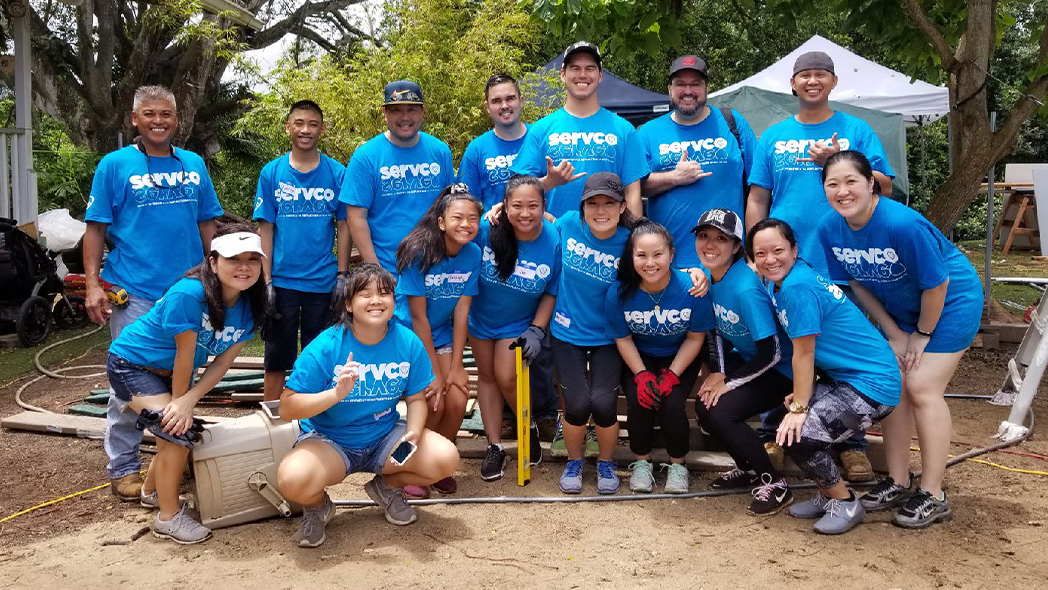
[(996, 539)]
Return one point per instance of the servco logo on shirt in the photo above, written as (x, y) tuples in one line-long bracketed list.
[(728, 322), (446, 284), (422, 169), (215, 343), (400, 179), (666, 321), (879, 265), (711, 150), (582, 146), (594, 263), (293, 199), (164, 187), (800, 146), (498, 167), (376, 381)]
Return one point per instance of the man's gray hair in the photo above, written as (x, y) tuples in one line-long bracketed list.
[(146, 93)]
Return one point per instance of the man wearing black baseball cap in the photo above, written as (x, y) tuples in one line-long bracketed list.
[(786, 183), (392, 179), (581, 138), (697, 157)]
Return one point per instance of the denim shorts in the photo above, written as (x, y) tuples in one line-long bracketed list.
[(128, 379), (370, 459)]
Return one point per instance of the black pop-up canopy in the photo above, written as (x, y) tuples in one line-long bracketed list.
[(630, 102)]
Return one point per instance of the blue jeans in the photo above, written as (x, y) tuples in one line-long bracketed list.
[(369, 459), (122, 438), (544, 400)]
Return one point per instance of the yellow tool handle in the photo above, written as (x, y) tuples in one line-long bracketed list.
[(523, 420)]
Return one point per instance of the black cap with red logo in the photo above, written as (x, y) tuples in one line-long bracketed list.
[(689, 62)]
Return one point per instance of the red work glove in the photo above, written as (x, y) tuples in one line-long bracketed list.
[(667, 381), (647, 390)]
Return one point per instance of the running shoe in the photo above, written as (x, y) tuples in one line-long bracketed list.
[(841, 516), (886, 494), (770, 496), (311, 533), (809, 509), (448, 485), (181, 529), (494, 464), (557, 448), (391, 500), (149, 500), (571, 479), (678, 480), (607, 481), (641, 479), (734, 479), (535, 446), (922, 510), (416, 492), (592, 446)]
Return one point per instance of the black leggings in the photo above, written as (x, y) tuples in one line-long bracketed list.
[(671, 416), (727, 419), (589, 381)]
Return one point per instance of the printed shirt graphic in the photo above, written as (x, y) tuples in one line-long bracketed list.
[(897, 255), (396, 185), (592, 144), (442, 285), (152, 210), (847, 347), (150, 340), (745, 314), (504, 309), (303, 207), (658, 332), (661, 143), (797, 196), (485, 166), (394, 368), (589, 267)]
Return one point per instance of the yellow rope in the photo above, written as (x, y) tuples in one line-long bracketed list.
[(50, 502), (990, 463)]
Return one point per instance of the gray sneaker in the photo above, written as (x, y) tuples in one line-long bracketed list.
[(923, 510), (571, 479), (181, 529), (311, 533), (677, 478), (641, 479), (149, 500), (886, 494), (841, 516), (392, 500), (607, 481), (810, 509)]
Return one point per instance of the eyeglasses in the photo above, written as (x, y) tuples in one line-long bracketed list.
[(683, 85)]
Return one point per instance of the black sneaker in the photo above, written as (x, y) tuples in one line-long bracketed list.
[(922, 510), (770, 496), (736, 478), (536, 447), (886, 494), (492, 467)]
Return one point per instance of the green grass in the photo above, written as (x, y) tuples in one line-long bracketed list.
[(18, 361), (1017, 263)]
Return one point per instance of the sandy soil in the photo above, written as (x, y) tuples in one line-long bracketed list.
[(995, 540)]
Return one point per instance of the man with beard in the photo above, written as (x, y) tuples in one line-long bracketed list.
[(392, 179), (580, 138), (485, 166), (698, 158)]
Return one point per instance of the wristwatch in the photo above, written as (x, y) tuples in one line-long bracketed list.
[(797, 408)]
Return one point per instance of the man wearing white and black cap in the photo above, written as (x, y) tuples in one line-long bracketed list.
[(786, 183), (698, 158), (581, 138), (392, 179)]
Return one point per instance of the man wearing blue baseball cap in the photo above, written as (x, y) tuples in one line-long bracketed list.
[(393, 178)]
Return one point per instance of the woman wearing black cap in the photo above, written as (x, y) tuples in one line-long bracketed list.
[(749, 362)]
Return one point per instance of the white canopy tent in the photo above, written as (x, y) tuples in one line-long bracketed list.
[(861, 82)]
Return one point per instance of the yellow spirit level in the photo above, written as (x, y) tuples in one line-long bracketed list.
[(523, 420)]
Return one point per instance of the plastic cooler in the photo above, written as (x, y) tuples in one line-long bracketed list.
[(235, 468)]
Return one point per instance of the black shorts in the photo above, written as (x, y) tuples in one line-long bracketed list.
[(298, 309)]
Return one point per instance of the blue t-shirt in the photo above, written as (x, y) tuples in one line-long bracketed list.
[(662, 141), (485, 166), (152, 207), (592, 144), (396, 185), (847, 347), (658, 322), (396, 367), (588, 268), (303, 207), (442, 285), (745, 314), (150, 340), (797, 196), (897, 255), (504, 309)]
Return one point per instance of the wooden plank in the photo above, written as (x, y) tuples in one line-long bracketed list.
[(70, 425)]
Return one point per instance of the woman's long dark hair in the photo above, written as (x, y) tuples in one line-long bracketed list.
[(363, 275), (216, 309), (629, 278), (503, 239), (425, 244)]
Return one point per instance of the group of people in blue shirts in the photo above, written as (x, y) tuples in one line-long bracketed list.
[(738, 289)]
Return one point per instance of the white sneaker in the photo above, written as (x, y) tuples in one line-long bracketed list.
[(181, 529)]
